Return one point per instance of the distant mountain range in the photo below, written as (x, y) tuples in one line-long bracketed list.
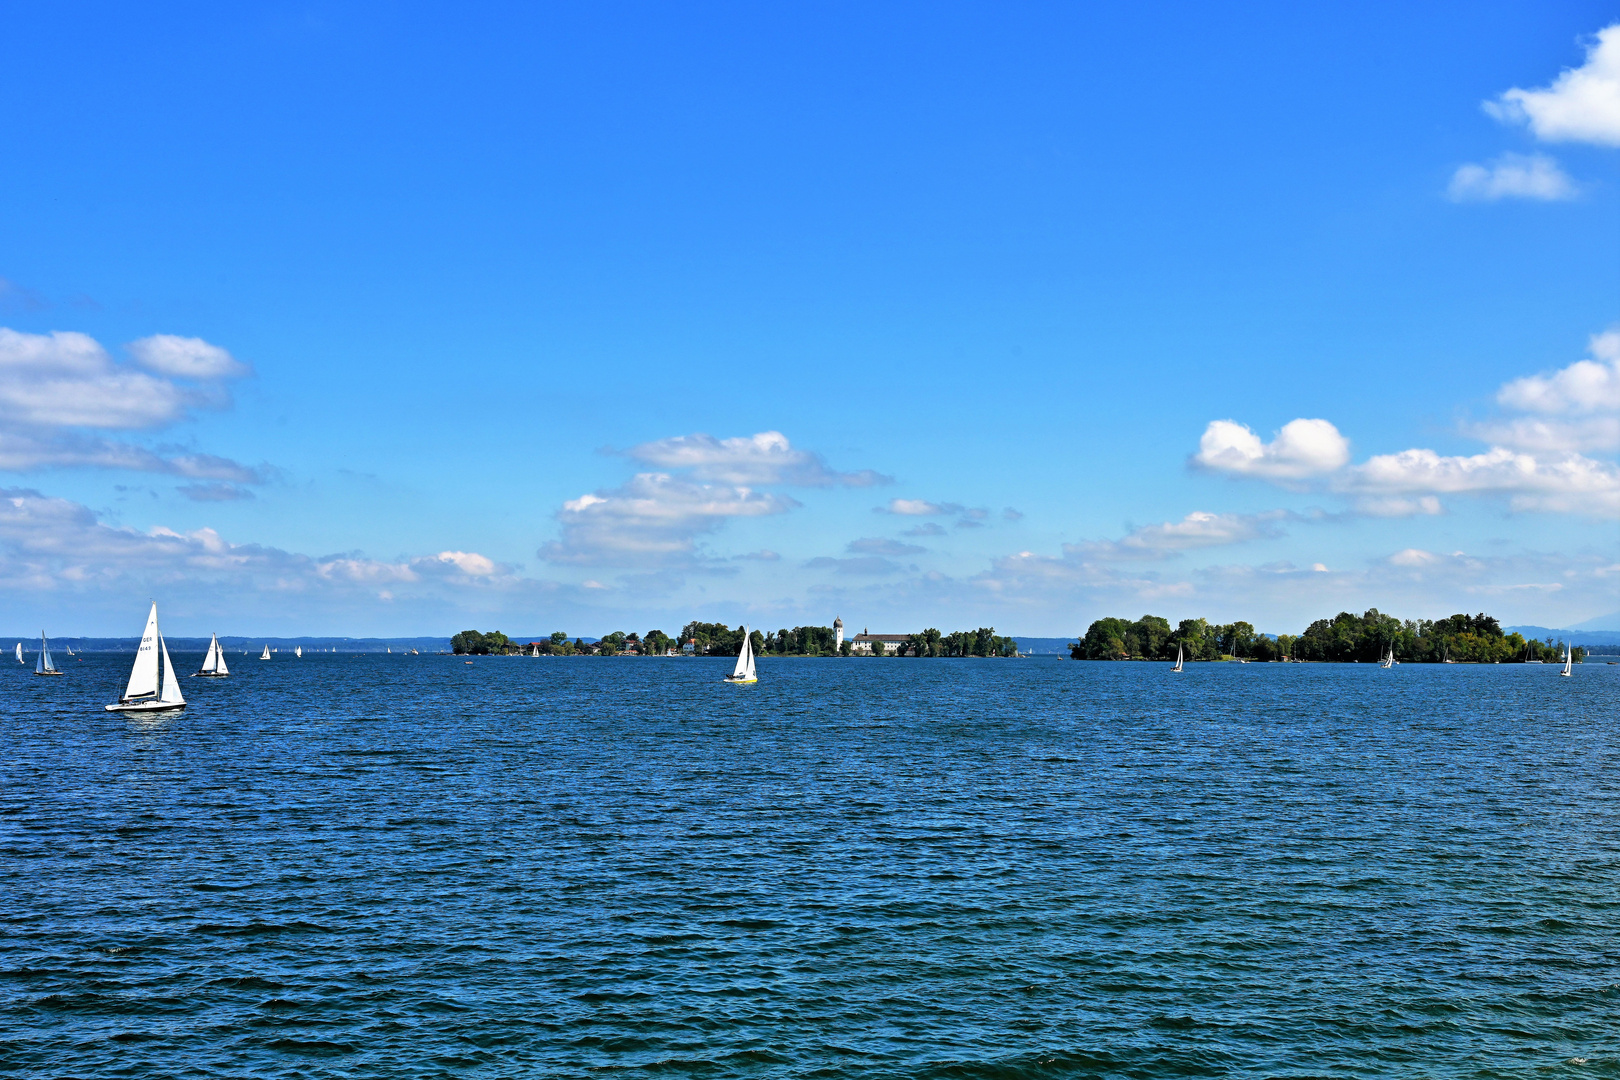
[(1610, 621), (1574, 634)]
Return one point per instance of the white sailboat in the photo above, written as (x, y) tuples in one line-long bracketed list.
[(266, 654), (744, 671), (44, 665), (1389, 658), (152, 685), (298, 651), (214, 663), (1569, 662), (1179, 657), (20, 659)]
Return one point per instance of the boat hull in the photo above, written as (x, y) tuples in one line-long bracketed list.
[(210, 675), (146, 706), (734, 679), (47, 673)]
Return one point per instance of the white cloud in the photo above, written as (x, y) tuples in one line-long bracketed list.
[(25, 452), (1556, 436), (1303, 448), (54, 545), (1581, 105), (1394, 506), (1199, 529), (1586, 386), (1569, 484), (52, 386), (765, 458), (1512, 176), (919, 508), (185, 358), (926, 528), (654, 519), (861, 565)]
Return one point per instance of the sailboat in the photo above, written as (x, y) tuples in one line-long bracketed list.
[(1389, 658), (744, 671), (45, 666), (20, 660), (214, 662), (1179, 658), (266, 654), (1569, 662), (298, 651), (151, 686)]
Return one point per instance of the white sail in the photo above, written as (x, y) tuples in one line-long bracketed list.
[(20, 660), (219, 658), (171, 686), (44, 665), (1179, 656), (744, 671), (1569, 661), (266, 654), (143, 677), (299, 651), (210, 661)]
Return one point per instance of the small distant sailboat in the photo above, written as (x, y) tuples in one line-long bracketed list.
[(214, 663), (266, 654), (20, 659), (389, 649), (1179, 657), (744, 671), (298, 651), (152, 686), (1569, 661), (69, 649), (44, 665), (1389, 658)]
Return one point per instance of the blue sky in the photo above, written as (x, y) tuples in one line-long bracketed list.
[(387, 320)]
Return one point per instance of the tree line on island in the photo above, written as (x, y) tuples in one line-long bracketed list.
[(1345, 638), (718, 639)]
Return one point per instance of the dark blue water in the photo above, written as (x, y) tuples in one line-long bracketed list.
[(408, 866)]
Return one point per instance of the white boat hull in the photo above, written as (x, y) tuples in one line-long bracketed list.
[(146, 706)]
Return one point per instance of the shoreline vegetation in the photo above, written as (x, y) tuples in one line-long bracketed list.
[(1345, 638), (718, 639)]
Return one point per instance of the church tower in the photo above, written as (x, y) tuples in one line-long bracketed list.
[(838, 635)]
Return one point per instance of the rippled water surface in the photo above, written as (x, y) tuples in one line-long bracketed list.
[(412, 866)]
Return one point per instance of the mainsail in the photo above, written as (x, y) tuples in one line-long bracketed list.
[(1569, 661), (1178, 659), (143, 677), (744, 671), (20, 660), (44, 665)]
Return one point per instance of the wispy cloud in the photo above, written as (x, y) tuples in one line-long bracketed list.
[(1512, 176), (861, 565), (765, 459), (214, 492), (1199, 529), (1581, 105), (918, 508), (877, 545)]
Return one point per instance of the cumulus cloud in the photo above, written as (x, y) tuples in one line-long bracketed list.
[(185, 358), (1569, 484), (52, 544), (654, 519), (1303, 448), (1577, 407), (55, 386), (762, 459), (1394, 506), (1512, 176), (1198, 529), (1581, 105), (1586, 386)]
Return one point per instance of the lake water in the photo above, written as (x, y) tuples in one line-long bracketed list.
[(411, 866)]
